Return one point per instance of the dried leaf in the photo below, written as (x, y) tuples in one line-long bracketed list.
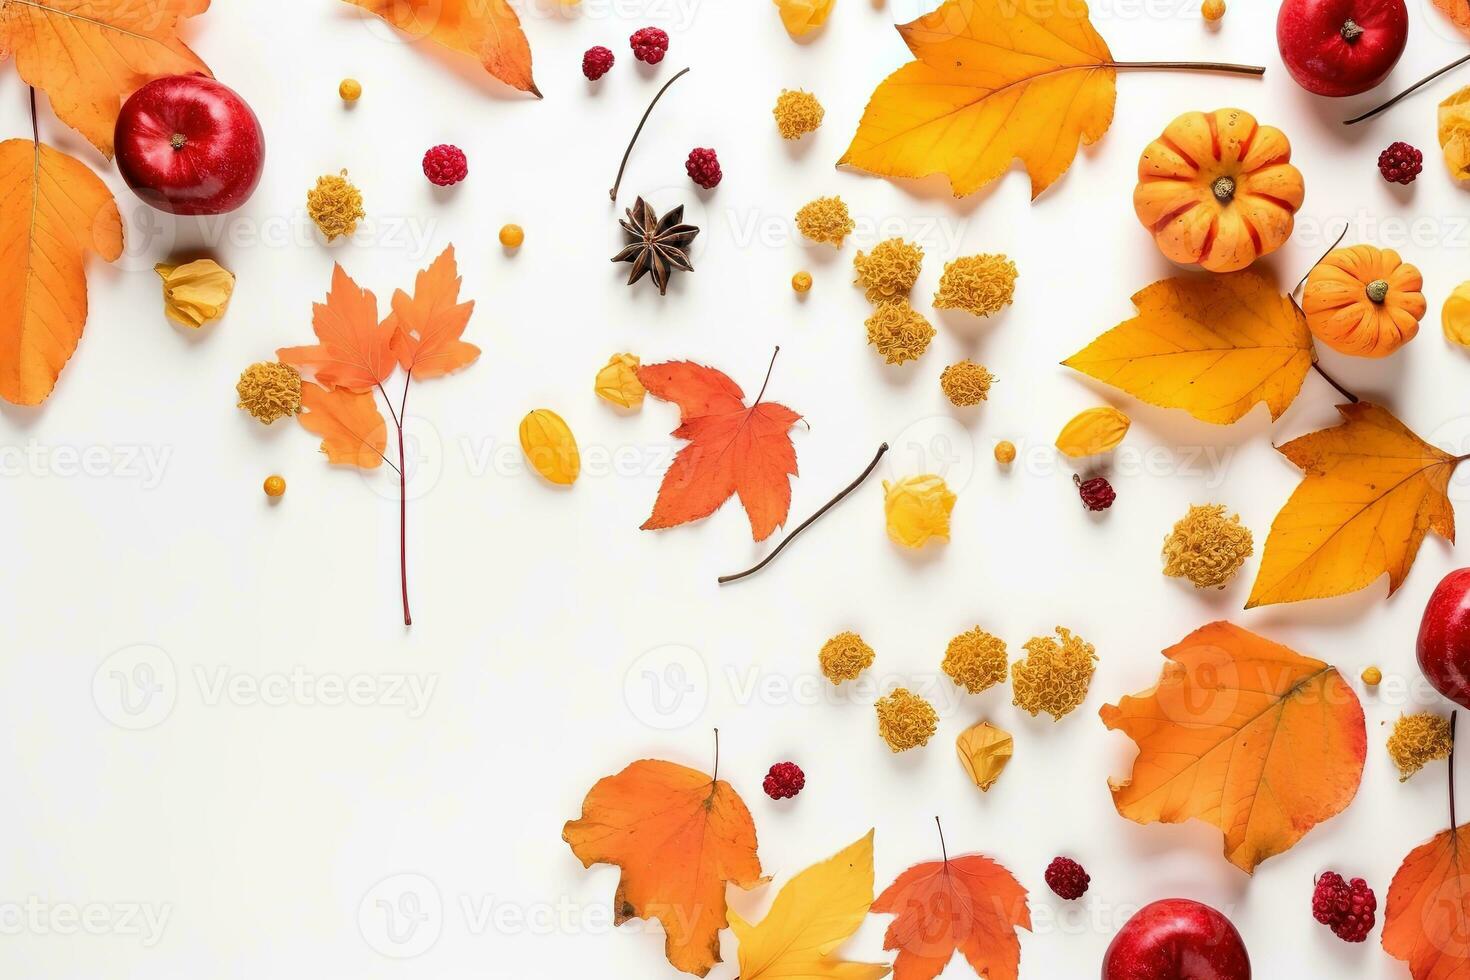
[(355, 350), (550, 447), (426, 327), (1427, 922), (487, 30), (984, 751), (1457, 11), (801, 17), (1097, 430), (196, 292), (352, 430), (618, 382), (1455, 316), (916, 509), (1454, 131)]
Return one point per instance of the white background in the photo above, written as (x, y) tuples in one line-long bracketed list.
[(264, 825)]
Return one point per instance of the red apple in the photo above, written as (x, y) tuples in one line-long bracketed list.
[(1444, 637), (1341, 47), (1177, 939), (188, 145)]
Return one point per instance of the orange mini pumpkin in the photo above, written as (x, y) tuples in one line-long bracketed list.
[(1218, 190), (1364, 301)]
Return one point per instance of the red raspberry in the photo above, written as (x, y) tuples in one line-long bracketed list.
[(1330, 898), (1097, 493), (596, 62), (445, 165), (1066, 877), (1355, 925), (1400, 163), (703, 167), (784, 781), (650, 44)]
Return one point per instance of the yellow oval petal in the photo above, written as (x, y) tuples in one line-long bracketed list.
[(984, 751), (1096, 430), (618, 382), (196, 292), (1455, 317), (550, 446)]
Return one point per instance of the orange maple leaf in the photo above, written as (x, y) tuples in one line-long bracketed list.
[(1245, 734), (351, 427), (88, 56), (426, 326), (732, 449), (679, 837), (355, 350), (53, 211), (1427, 922), (487, 30), (1457, 11), (968, 903)]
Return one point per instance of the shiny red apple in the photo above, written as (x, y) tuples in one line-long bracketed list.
[(1341, 47), (1177, 939), (1444, 637), (188, 145)]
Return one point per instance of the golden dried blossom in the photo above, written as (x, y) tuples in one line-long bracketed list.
[(825, 220), (889, 271), (1206, 547), (980, 284), (966, 383), (269, 390), (1054, 676), (906, 720), (1418, 740), (335, 204), (803, 16), (618, 382), (797, 113), (899, 332), (195, 293), (917, 509), (975, 660), (984, 751), (844, 657)]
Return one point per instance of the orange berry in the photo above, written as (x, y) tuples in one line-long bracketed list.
[(801, 282), (1372, 676), (350, 90), (511, 236), (274, 486), (1005, 452), (1213, 10)]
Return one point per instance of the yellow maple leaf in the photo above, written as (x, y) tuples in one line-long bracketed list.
[(1213, 347), (813, 914), (1372, 490)]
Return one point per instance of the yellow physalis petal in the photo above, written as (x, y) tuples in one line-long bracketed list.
[(803, 16), (984, 751), (1454, 133), (618, 381), (917, 508), (1097, 430), (196, 292), (550, 446), (1456, 316)]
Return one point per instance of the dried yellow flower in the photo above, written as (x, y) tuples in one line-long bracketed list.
[(899, 332), (966, 383), (618, 382), (550, 447), (844, 657), (906, 720), (1054, 676), (1454, 133), (825, 220), (1005, 452), (196, 292), (981, 284), (335, 204), (889, 271), (984, 751), (1454, 317), (917, 509), (269, 390), (975, 660), (1093, 431), (803, 16), (1418, 740), (1372, 676), (1206, 547), (797, 113)]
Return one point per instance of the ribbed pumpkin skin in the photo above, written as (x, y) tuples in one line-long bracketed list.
[(1342, 316), (1175, 198)]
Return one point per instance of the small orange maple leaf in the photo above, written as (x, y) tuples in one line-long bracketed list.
[(426, 326), (351, 427), (355, 350)]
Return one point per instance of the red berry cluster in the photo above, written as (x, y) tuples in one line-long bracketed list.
[(784, 781), (649, 44), (1400, 163), (1348, 907), (703, 167), (598, 61), (1096, 493), (445, 164), (1066, 877)]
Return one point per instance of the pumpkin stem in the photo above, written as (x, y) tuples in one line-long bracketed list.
[(1350, 31), (1224, 188), (1378, 290)]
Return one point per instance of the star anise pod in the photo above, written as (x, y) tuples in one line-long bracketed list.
[(656, 245)]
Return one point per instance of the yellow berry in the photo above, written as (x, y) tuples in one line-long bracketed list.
[(1372, 676), (1005, 452), (1213, 9), (350, 89), (801, 282), (274, 486), (511, 236)]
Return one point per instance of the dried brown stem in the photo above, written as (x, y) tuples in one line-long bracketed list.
[(1220, 66), (629, 151), (1383, 107)]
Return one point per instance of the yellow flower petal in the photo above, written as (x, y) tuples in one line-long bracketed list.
[(1454, 133), (984, 751), (618, 382), (1455, 317), (196, 292), (1097, 430), (917, 509), (550, 446)]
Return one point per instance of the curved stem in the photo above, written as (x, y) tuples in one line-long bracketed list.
[(944, 851), (1451, 766), (1220, 66), (1406, 92), (1330, 380), (629, 151), (1340, 236), (403, 504)]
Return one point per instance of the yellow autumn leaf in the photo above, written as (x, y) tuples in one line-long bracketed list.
[(984, 751), (195, 293), (1213, 347), (994, 81), (618, 382), (550, 447), (813, 914), (1454, 133), (1097, 430), (1455, 316), (1372, 490)]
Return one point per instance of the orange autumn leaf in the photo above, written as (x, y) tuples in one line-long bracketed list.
[(88, 56), (355, 350), (1372, 490), (352, 430), (968, 904), (1457, 11), (679, 837), (53, 211), (1245, 734), (732, 449), (993, 81), (426, 326), (487, 30), (1427, 922)]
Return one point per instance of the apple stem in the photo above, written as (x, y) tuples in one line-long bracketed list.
[(1406, 92), (1350, 31), (1451, 766), (943, 851), (1221, 66)]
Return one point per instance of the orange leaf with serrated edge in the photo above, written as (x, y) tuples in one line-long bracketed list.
[(355, 350), (967, 904), (53, 211), (426, 327), (487, 30), (679, 837), (1245, 734), (732, 449), (352, 429), (1459, 12), (1372, 490), (1427, 921), (88, 56)]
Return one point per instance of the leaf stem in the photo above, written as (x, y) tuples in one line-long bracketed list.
[(1330, 380), (1382, 107), (613, 194), (1451, 766), (724, 579), (1308, 274), (403, 503), (769, 368), (716, 777), (35, 126), (1220, 66), (944, 851)]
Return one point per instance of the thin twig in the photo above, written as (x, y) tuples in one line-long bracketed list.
[(725, 579), (1308, 274), (1332, 381), (1221, 66), (629, 151), (944, 851), (1451, 764), (769, 368), (716, 778), (403, 501), (1406, 92)]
